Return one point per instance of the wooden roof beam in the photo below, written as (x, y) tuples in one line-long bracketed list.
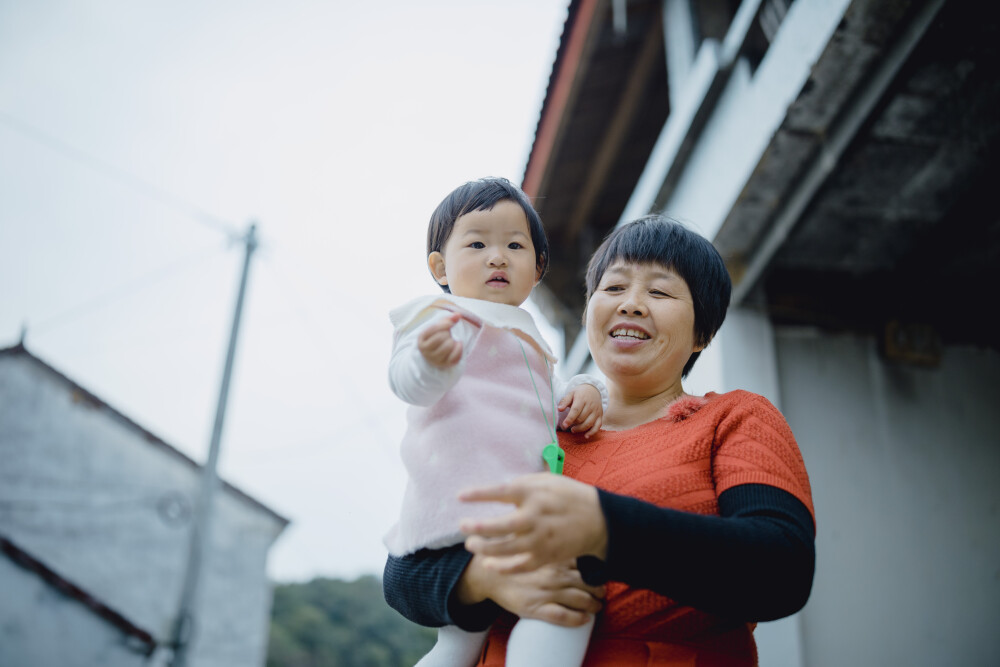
[(649, 55)]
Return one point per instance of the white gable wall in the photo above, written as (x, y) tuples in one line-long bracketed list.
[(41, 627), (88, 495)]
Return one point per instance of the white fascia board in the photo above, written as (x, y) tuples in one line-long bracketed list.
[(748, 113)]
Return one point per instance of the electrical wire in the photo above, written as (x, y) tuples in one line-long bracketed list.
[(327, 346), (121, 176), (127, 289)]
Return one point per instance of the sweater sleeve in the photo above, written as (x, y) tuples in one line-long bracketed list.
[(411, 377), (419, 586), (755, 562)]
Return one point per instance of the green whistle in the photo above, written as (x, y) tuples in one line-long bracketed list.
[(554, 455)]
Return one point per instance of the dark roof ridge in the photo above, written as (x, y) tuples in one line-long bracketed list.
[(22, 558), (95, 401)]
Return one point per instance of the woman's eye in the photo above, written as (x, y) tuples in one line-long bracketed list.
[(477, 244), (613, 288), (656, 292)]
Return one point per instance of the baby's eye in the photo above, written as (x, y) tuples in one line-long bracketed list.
[(477, 244), (514, 245)]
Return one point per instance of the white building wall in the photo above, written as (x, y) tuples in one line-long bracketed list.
[(41, 627), (903, 463), (84, 493)]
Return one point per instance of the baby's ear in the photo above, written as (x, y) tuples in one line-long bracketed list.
[(435, 262)]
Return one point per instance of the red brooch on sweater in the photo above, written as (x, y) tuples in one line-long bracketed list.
[(684, 407)]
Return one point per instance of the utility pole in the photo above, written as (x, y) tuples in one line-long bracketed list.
[(184, 624)]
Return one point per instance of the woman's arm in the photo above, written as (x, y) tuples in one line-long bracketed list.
[(754, 562), (453, 587), (420, 586)]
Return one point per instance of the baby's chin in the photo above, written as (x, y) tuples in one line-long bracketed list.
[(499, 297)]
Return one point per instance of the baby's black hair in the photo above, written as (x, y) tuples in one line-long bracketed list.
[(482, 195)]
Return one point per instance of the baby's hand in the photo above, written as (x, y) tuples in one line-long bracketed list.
[(437, 345), (585, 410)]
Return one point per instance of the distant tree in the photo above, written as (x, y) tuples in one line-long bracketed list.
[(335, 623)]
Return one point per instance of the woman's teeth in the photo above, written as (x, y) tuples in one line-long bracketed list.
[(631, 333)]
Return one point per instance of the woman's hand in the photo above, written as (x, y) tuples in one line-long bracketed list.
[(557, 519), (553, 593)]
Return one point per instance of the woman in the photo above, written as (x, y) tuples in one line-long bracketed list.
[(696, 511)]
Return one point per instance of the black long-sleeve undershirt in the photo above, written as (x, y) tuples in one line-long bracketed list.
[(754, 562)]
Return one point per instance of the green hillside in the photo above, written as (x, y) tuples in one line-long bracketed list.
[(334, 623)]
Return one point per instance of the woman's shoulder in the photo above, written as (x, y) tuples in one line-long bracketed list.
[(740, 405), (740, 399)]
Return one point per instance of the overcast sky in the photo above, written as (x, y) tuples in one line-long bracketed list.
[(138, 138)]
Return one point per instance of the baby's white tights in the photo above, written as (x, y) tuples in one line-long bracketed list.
[(536, 643), (532, 644), (454, 648)]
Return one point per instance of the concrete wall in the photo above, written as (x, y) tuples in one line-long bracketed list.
[(903, 463), (86, 494), (40, 627)]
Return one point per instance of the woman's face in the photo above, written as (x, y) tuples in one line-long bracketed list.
[(640, 327)]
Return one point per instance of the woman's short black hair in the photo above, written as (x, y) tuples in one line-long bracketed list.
[(482, 195), (657, 239)]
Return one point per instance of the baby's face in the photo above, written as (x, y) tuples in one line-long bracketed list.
[(489, 256)]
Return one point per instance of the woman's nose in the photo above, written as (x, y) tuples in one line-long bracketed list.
[(631, 306)]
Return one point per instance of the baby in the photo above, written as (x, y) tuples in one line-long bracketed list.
[(484, 400)]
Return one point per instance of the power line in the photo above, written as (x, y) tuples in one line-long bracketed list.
[(130, 181), (126, 289), (327, 347)]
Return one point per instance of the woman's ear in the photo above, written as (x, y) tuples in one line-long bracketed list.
[(435, 262), (701, 346)]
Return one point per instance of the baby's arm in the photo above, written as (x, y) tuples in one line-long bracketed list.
[(428, 359), (586, 398)]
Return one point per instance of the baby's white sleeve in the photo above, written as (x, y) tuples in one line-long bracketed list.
[(412, 378), (562, 388)]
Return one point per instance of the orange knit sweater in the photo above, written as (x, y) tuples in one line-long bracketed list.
[(703, 446)]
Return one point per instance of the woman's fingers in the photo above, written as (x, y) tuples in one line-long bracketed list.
[(501, 526), (556, 518), (576, 599), (515, 564), (554, 593), (511, 493), (559, 615)]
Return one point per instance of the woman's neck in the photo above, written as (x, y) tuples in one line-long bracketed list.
[(629, 410)]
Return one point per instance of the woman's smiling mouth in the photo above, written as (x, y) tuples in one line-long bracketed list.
[(629, 332)]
